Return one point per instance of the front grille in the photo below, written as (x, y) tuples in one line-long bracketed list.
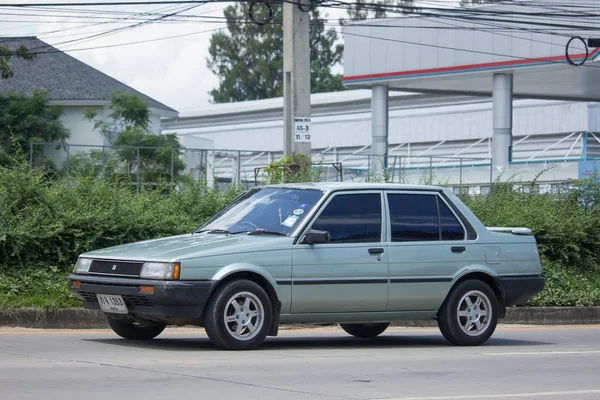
[(130, 300), (137, 301), (113, 284), (125, 268), (91, 297)]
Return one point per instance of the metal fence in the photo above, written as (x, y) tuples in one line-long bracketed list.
[(224, 166)]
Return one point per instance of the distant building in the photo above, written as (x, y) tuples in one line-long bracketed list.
[(445, 137)]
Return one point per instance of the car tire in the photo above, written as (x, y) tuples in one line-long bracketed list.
[(365, 330), (238, 316), (136, 330), (469, 314)]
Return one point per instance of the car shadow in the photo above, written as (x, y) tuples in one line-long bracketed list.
[(424, 341)]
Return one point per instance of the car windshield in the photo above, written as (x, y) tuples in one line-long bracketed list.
[(276, 211)]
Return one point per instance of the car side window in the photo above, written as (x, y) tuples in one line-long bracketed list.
[(422, 217), (451, 228), (352, 218), (414, 217)]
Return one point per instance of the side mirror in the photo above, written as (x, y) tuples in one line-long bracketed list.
[(315, 237)]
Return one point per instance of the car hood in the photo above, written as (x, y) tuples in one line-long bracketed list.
[(188, 246)]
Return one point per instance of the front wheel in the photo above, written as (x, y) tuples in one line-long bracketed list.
[(136, 330), (365, 330), (469, 315), (238, 316)]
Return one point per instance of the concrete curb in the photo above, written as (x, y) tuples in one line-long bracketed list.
[(78, 318)]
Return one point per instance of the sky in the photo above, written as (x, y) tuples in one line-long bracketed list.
[(172, 71), (170, 67)]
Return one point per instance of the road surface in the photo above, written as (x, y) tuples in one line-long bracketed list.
[(519, 362)]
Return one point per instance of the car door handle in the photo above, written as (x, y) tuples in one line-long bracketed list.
[(458, 249), (376, 251)]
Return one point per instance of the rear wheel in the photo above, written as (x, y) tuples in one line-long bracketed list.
[(469, 315), (238, 316), (365, 330), (136, 330)]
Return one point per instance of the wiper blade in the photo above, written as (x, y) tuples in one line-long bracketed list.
[(266, 232), (224, 231)]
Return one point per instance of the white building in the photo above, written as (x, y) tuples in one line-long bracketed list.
[(437, 131)]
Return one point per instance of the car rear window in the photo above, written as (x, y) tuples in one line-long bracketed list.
[(422, 217)]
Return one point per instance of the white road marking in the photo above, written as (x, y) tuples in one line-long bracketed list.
[(501, 396), (541, 353)]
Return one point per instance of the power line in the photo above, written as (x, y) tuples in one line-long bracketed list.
[(118, 3), (54, 51), (164, 18)]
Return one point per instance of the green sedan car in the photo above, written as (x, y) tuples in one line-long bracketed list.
[(361, 255)]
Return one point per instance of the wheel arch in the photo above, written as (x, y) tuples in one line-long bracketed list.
[(486, 276), (253, 273)]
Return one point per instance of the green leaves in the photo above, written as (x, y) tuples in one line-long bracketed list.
[(139, 153), (568, 287), (566, 226), (7, 54), (248, 59), (51, 222), (295, 168), (25, 119)]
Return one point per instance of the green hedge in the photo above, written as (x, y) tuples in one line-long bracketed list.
[(49, 222), (566, 226)]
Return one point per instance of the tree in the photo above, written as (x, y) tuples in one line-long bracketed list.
[(154, 157), (248, 59), (364, 9), (25, 119), (6, 55)]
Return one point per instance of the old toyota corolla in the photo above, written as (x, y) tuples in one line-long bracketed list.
[(361, 255)]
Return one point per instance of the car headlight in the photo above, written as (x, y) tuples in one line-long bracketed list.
[(158, 270), (82, 266)]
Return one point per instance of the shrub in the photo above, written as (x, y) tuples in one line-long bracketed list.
[(50, 222), (292, 169)]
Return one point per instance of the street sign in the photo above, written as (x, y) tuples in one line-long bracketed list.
[(302, 129)]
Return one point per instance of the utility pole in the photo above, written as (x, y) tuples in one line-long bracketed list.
[(296, 77)]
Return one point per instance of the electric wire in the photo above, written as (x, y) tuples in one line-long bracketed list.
[(444, 14)]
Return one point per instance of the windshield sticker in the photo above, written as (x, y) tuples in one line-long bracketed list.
[(290, 221), (298, 211)]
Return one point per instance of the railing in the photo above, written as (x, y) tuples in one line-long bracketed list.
[(219, 166)]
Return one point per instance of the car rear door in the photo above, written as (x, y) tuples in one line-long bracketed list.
[(350, 273), (428, 245)]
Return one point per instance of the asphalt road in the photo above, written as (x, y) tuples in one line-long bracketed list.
[(404, 363)]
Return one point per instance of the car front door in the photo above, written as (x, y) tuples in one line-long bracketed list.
[(350, 273), (428, 245)]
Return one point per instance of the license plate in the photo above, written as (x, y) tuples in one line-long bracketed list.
[(112, 303)]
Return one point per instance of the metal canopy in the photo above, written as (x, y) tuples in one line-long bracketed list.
[(433, 55), (553, 82)]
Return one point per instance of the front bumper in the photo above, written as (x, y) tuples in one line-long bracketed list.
[(518, 290), (176, 302)]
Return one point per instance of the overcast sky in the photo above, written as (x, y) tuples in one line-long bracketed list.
[(172, 71)]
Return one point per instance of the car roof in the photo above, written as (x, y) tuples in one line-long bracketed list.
[(331, 186)]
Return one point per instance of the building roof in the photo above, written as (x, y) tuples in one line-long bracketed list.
[(66, 78)]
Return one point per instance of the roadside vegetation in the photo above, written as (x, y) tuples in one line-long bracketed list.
[(567, 228), (48, 219)]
